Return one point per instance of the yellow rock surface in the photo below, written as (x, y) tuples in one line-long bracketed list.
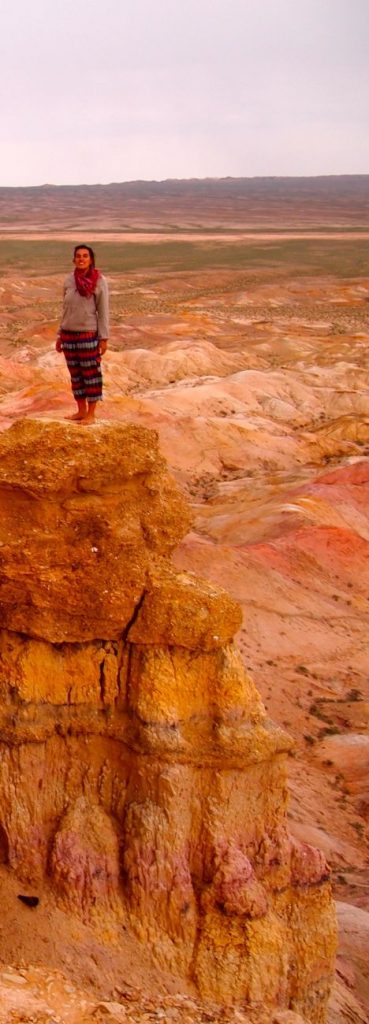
[(140, 781), (181, 610), (81, 515), (172, 685), (39, 672)]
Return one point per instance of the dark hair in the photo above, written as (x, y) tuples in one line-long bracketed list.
[(89, 250)]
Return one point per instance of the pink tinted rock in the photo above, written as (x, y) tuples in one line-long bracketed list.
[(85, 858), (308, 865), (236, 889)]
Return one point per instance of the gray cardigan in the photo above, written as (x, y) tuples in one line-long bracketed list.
[(86, 314)]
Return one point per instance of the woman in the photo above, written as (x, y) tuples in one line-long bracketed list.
[(84, 331)]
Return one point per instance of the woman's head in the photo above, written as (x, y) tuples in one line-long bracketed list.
[(83, 257)]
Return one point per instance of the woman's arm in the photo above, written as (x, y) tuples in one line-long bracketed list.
[(102, 310), (58, 344)]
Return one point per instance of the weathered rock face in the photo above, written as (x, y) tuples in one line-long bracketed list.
[(149, 784), (81, 522)]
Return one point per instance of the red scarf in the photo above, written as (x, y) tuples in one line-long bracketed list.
[(86, 283)]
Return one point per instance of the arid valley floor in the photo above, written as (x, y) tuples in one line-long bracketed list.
[(248, 353)]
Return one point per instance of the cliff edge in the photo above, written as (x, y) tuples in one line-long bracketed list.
[(139, 774)]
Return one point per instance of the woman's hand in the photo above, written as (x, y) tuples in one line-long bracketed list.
[(103, 344), (58, 344)]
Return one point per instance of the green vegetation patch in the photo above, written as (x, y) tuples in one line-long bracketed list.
[(300, 257)]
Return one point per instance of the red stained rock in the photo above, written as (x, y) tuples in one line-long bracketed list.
[(235, 888), (85, 859), (308, 865)]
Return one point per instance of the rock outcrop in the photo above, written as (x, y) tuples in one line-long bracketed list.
[(139, 773)]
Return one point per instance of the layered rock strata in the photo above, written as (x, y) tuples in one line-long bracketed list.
[(139, 773)]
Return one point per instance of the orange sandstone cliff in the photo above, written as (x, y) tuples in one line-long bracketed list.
[(139, 774)]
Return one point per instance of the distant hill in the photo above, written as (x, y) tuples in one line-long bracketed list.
[(327, 201)]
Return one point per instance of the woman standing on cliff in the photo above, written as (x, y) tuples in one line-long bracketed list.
[(84, 331)]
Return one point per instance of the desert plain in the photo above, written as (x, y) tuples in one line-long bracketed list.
[(243, 341)]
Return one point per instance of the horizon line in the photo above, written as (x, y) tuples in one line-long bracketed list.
[(193, 179)]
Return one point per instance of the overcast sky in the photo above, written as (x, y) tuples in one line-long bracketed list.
[(114, 90)]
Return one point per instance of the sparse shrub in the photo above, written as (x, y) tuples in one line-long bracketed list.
[(358, 826), (316, 709), (354, 695), (331, 730)]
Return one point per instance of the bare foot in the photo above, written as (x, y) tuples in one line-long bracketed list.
[(88, 421), (79, 416)]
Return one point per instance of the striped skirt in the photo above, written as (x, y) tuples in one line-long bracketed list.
[(81, 350)]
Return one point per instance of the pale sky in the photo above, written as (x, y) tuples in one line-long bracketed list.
[(115, 90)]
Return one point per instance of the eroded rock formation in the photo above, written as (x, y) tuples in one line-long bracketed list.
[(139, 772)]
